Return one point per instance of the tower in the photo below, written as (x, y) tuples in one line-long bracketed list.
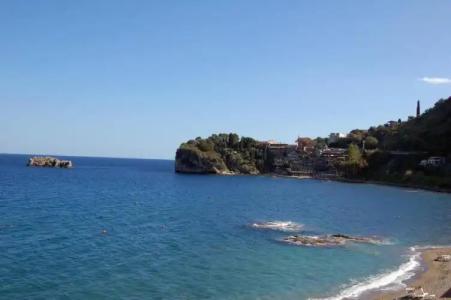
[(418, 108)]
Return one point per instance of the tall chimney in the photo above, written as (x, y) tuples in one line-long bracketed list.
[(418, 108)]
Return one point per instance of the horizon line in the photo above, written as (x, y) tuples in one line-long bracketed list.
[(85, 156)]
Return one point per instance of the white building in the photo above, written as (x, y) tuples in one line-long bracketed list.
[(434, 161), (335, 136)]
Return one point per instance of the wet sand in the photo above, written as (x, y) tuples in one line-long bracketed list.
[(436, 279)]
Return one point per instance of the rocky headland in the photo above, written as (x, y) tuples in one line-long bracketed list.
[(224, 154), (49, 162), (414, 153)]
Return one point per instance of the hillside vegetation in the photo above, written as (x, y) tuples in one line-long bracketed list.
[(221, 153), (430, 132), (400, 149)]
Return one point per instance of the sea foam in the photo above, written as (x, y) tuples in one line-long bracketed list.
[(278, 225), (388, 280)]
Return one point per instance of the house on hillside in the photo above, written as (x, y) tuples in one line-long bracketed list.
[(334, 153), (335, 136), (305, 145), (433, 161), (391, 124)]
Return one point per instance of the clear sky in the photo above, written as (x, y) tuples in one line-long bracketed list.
[(137, 78)]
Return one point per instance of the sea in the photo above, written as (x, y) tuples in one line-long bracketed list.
[(134, 229)]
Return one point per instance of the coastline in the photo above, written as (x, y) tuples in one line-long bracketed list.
[(435, 278), (396, 184), (338, 179), (421, 270), (348, 180)]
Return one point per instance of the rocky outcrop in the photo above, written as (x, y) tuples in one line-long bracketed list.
[(328, 240), (224, 154), (50, 162), (197, 162)]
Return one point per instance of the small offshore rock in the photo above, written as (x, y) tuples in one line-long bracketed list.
[(49, 162), (327, 240)]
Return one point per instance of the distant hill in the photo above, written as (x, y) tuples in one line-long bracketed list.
[(402, 146), (430, 132)]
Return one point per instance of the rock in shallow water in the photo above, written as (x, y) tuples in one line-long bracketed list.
[(48, 161), (328, 240)]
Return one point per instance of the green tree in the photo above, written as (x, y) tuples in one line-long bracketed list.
[(371, 142), (247, 143), (234, 140), (354, 154), (205, 145), (320, 143), (354, 163), (356, 136)]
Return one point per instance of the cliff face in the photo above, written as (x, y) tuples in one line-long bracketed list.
[(220, 154), (194, 161)]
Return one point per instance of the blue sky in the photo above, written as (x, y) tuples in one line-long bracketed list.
[(137, 78)]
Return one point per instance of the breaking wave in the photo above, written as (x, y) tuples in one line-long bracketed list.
[(278, 225), (429, 247), (391, 279)]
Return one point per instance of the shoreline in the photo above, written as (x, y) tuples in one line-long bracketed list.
[(395, 184), (434, 277), (348, 180), (420, 271)]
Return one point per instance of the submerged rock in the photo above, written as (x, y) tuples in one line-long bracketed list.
[(328, 240), (48, 161)]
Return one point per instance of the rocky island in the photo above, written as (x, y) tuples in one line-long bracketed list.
[(49, 162)]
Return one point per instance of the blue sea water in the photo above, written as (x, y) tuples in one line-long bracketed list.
[(134, 229)]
